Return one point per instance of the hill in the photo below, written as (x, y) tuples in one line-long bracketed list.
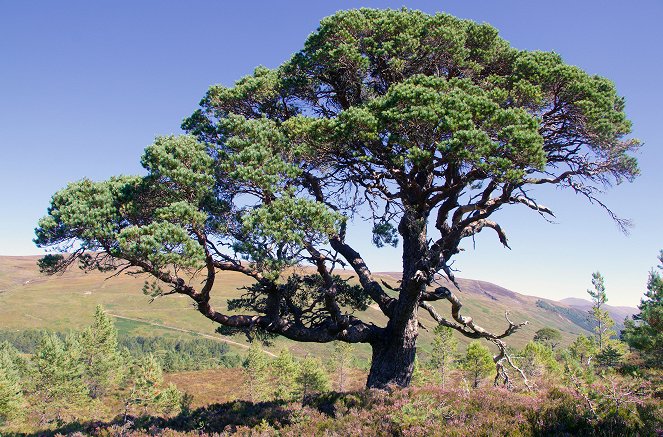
[(618, 313), (29, 299)]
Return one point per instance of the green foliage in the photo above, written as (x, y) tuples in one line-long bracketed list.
[(256, 373), (340, 361), (536, 359), (548, 336), (284, 370), (609, 357), (57, 383), (395, 111), (645, 332), (583, 349), (601, 318), (12, 402), (170, 400), (579, 317), (478, 362), (443, 353), (311, 378), (180, 354), (102, 363), (173, 354), (147, 392)]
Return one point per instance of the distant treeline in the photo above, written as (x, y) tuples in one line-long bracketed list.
[(576, 316), (173, 354)]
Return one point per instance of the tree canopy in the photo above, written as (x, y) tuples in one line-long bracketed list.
[(644, 332), (426, 125)]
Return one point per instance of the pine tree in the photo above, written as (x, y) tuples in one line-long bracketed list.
[(19, 363), (548, 336), (536, 358), (610, 356), (312, 377), (478, 362), (147, 389), (284, 370), (598, 315), (101, 357), (147, 378), (169, 400), (340, 362), (420, 377), (583, 349), (58, 384), (645, 331), (444, 351), (256, 373), (12, 401)]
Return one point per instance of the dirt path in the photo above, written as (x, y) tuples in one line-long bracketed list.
[(174, 328)]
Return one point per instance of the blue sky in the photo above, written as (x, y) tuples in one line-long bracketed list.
[(85, 86)]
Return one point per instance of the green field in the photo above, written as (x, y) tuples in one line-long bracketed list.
[(29, 299)]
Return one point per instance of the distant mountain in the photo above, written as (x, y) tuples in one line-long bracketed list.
[(29, 299), (618, 313)]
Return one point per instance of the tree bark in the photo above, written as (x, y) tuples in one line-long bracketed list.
[(393, 357), (395, 352)]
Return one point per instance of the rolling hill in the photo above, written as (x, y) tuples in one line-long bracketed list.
[(29, 299)]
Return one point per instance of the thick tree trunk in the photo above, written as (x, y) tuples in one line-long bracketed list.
[(393, 357), (394, 353)]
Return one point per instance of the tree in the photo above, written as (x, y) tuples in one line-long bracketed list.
[(101, 357), (548, 336), (645, 331), (537, 358), (12, 402), (340, 361), (312, 377), (583, 349), (610, 356), (427, 124), (598, 315), (478, 362), (147, 390), (256, 373), (284, 371), (444, 351), (57, 383)]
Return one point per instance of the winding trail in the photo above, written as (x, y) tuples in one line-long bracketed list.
[(174, 328)]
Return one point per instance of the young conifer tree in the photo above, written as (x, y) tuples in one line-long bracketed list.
[(312, 377), (341, 359), (147, 378), (256, 373), (598, 314), (444, 351), (102, 362), (645, 331), (583, 349), (284, 370), (57, 384), (478, 362), (12, 402)]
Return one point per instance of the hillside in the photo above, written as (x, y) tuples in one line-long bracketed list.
[(29, 299), (618, 313)]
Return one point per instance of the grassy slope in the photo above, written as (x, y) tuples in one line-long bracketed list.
[(31, 300)]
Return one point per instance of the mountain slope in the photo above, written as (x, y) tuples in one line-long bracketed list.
[(29, 299), (618, 313)]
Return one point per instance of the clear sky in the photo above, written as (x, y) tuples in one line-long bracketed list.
[(85, 86)]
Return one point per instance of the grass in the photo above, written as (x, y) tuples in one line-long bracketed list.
[(31, 300)]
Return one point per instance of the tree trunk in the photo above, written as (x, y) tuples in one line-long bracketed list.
[(393, 357), (395, 352)]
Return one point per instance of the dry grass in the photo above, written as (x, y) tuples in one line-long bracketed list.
[(31, 300)]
